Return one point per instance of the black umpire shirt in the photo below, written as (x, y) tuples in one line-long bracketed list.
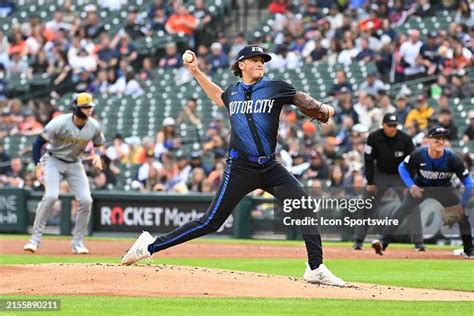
[(385, 153)]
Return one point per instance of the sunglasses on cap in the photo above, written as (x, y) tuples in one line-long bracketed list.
[(86, 107)]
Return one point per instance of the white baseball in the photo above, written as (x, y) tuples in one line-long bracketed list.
[(188, 57)]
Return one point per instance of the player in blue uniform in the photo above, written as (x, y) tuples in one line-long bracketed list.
[(254, 105), (425, 172)]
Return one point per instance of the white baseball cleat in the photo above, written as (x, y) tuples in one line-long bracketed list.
[(31, 246), (79, 249), (139, 249), (322, 275), (461, 253)]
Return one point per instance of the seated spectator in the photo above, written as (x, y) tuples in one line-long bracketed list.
[(146, 71), (169, 169), (30, 126), (189, 114), (83, 61), (319, 53), (196, 161), (132, 27), (445, 119), (336, 176), (39, 65), (460, 85), (318, 169), (144, 170), (8, 124), (224, 41), (107, 56), (469, 132), (152, 183), (16, 110), (409, 52), (116, 85), (132, 87), (18, 65), (372, 115), (238, 43), (348, 54), (182, 22), (93, 28), (167, 138), (385, 103), (202, 14), (429, 56), (119, 149), (420, 114), (403, 108), (4, 159), (100, 83), (372, 85), (195, 184), (365, 54), (14, 177), (424, 8), (82, 81), (345, 107), (183, 171), (172, 59), (216, 175), (17, 42), (339, 83), (110, 171), (384, 58), (218, 59), (126, 49), (158, 21), (57, 23), (100, 182)]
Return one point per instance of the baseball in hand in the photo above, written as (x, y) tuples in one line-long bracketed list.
[(188, 57)]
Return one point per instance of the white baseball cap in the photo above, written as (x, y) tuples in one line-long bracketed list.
[(169, 121)]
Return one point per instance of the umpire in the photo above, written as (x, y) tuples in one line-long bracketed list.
[(385, 150)]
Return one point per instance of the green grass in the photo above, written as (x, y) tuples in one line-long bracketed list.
[(437, 274), (217, 240), (79, 305)]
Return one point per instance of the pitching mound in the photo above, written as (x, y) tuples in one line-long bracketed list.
[(166, 280)]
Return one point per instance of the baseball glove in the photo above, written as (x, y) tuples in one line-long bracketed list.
[(452, 214), (311, 107)]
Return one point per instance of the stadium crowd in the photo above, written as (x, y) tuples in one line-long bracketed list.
[(80, 55)]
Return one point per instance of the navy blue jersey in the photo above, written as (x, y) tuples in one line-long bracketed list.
[(254, 112), (428, 172)]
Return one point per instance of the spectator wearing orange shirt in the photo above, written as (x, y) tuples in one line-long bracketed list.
[(182, 22)]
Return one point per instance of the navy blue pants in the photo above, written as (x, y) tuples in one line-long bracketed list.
[(241, 177), (446, 197)]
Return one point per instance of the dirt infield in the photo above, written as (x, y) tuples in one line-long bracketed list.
[(179, 281), (203, 249)]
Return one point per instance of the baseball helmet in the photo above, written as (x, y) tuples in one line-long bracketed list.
[(81, 100)]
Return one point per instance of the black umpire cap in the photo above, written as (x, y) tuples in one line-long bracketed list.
[(390, 118), (438, 131)]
